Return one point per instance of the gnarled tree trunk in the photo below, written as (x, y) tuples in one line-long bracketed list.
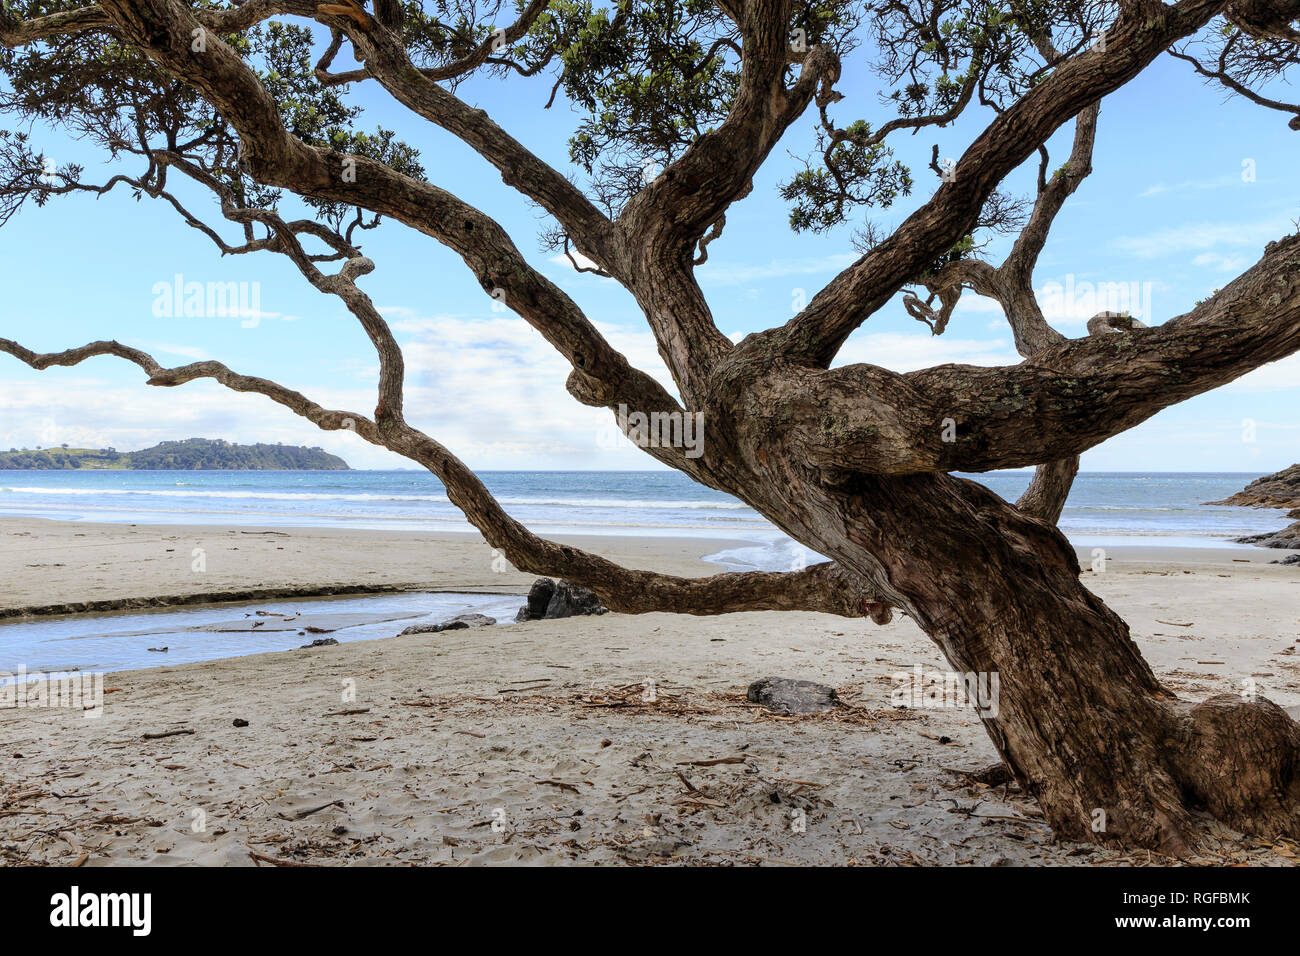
[(1081, 720)]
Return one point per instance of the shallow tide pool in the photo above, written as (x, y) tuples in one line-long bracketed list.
[(122, 640)]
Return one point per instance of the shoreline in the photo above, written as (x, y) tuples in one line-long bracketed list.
[(55, 566)]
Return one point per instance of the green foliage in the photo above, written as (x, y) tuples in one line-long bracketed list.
[(650, 77), (103, 90), (646, 78), (854, 172), (192, 454)]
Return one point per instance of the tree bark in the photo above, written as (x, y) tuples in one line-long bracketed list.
[(1082, 722)]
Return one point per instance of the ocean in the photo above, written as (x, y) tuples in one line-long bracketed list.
[(1104, 509)]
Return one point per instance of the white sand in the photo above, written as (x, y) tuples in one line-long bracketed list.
[(513, 723)]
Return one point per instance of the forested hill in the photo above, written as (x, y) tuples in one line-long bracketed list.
[(193, 454)]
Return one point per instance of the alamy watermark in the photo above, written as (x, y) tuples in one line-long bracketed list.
[(1086, 299), (178, 299), (946, 690), (683, 430), (79, 691)]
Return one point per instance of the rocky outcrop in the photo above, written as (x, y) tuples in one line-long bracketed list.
[(1281, 490), (1288, 537), (792, 696), (549, 599), (457, 623)]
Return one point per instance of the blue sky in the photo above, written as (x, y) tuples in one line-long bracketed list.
[(1187, 188)]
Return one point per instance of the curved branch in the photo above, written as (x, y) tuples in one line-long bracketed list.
[(1222, 76), (824, 587), (1048, 490), (327, 419)]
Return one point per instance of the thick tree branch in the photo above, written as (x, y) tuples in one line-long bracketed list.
[(1062, 401), (387, 61), (1048, 490)]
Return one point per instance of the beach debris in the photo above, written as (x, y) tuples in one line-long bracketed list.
[(349, 712), (166, 733), (303, 812), (549, 599), (1176, 623), (157, 650), (240, 722), (260, 858), (711, 763), (994, 775), (457, 623), (312, 629), (792, 696), (319, 642)]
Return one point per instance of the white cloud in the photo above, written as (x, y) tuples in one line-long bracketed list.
[(1191, 185), (581, 260), (1200, 237), (904, 352), (1222, 263), (1282, 374), (490, 388)]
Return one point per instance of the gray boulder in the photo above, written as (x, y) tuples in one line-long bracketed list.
[(792, 696), (457, 623), (549, 599)]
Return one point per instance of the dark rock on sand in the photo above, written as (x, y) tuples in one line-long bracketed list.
[(792, 696), (549, 599), (539, 596), (457, 623), (321, 642)]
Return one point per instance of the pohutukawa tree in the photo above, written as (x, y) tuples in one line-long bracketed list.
[(680, 102)]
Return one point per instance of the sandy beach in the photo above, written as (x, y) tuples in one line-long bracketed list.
[(598, 740)]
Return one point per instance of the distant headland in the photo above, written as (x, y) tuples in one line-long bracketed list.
[(192, 454)]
